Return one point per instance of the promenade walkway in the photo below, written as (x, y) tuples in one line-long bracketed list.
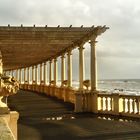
[(47, 118)]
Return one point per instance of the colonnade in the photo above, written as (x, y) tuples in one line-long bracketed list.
[(30, 75)]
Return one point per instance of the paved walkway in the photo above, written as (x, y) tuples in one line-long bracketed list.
[(45, 118)]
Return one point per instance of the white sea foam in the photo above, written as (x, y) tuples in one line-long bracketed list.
[(116, 86)]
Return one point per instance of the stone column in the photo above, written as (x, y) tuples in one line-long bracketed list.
[(50, 72), (36, 74), (40, 73), (12, 73), (16, 72), (69, 72), (55, 71), (32, 74), (45, 73), (24, 75), (62, 69), (20, 76), (81, 67), (28, 75), (93, 67)]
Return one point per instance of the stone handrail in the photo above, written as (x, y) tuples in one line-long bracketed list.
[(104, 102), (126, 105)]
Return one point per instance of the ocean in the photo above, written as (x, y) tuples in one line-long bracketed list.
[(123, 86)]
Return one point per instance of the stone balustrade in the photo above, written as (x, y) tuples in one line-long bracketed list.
[(86, 101), (118, 104)]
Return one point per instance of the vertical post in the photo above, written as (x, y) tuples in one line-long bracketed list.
[(32, 74), (50, 72), (28, 75), (36, 74), (20, 76), (93, 66), (55, 71), (24, 75), (40, 73), (81, 67), (94, 96), (12, 73), (116, 104), (69, 72), (62, 69), (16, 74), (45, 73), (79, 102)]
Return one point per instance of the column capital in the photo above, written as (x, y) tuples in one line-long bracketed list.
[(50, 61), (45, 63), (69, 52), (63, 56), (93, 42), (55, 59), (81, 47)]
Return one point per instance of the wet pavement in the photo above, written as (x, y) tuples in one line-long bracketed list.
[(47, 118)]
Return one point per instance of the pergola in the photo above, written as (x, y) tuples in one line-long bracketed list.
[(26, 46), (23, 48)]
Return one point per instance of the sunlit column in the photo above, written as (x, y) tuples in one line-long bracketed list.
[(93, 66), (69, 68), (28, 75), (20, 76), (36, 74), (50, 72), (45, 73), (16, 74), (40, 73), (62, 69), (32, 74), (24, 75), (81, 67), (55, 71), (12, 71)]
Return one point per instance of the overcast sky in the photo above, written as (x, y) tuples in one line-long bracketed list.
[(118, 49)]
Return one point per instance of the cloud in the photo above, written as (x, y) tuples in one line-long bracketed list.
[(120, 44)]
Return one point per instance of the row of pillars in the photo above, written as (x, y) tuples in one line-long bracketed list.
[(43, 73)]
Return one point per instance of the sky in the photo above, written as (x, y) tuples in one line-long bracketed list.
[(118, 49)]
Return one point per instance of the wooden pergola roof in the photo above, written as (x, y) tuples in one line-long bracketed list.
[(26, 46)]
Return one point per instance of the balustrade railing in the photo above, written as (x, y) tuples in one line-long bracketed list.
[(130, 104), (64, 93), (107, 103)]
